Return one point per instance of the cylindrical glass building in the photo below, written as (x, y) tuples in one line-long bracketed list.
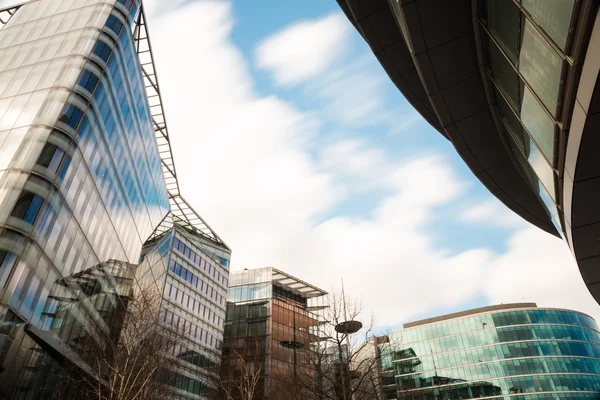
[(515, 351)]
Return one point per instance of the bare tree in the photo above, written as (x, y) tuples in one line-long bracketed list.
[(339, 363), (134, 364), (131, 357), (242, 373)]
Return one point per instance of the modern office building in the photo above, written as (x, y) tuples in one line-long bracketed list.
[(512, 84), (509, 351), (271, 317), (194, 303), (90, 207), (375, 359)]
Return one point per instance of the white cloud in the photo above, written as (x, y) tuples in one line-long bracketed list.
[(156, 8), (538, 267), (355, 163), (245, 164), (303, 50), (337, 72), (242, 159), (353, 93), (492, 213)]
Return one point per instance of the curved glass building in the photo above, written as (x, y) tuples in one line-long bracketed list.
[(511, 351), (513, 85)]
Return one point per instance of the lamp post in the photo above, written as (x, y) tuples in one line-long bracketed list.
[(346, 328)]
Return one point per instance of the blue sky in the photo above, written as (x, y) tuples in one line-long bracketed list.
[(295, 146), (254, 24)]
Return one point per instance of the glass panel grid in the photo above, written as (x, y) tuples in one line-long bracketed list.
[(499, 354)]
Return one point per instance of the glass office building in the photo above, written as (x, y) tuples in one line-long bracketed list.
[(375, 359), (510, 351), (513, 85), (195, 294), (271, 317), (90, 207)]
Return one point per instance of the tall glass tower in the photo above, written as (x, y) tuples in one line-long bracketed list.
[(89, 199)]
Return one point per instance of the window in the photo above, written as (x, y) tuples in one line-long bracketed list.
[(71, 116), (538, 123), (127, 3), (27, 207), (510, 120), (114, 24), (554, 16), (51, 157), (503, 21), (88, 81), (505, 75), (541, 67)]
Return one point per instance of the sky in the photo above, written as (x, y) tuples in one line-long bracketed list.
[(292, 143)]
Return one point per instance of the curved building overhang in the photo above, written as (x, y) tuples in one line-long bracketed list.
[(376, 24), (433, 62), (581, 179), (433, 51)]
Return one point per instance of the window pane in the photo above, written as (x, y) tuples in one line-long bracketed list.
[(22, 205), (27, 207), (554, 16), (535, 163), (503, 22), (540, 166), (47, 155), (511, 120), (505, 75), (539, 125), (541, 67)]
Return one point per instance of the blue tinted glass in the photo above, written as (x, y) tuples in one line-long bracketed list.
[(34, 208), (71, 116), (64, 167), (114, 24), (102, 50)]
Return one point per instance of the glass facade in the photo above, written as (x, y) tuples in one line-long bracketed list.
[(516, 351), (194, 302), (374, 360), (526, 55), (267, 309), (85, 216)]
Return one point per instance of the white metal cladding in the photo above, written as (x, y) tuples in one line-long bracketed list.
[(180, 208)]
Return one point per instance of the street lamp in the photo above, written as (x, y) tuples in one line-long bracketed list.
[(347, 328)]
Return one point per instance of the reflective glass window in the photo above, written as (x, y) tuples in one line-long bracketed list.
[(51, 157), (71, 116), (538, 123), (27, 207), (510, 119), (526, 145), (114, 24), (102, 50), (540, 165), (553, 16), (505, 75), (88, 80), (127, 3), (541, 67), (503, 19)]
